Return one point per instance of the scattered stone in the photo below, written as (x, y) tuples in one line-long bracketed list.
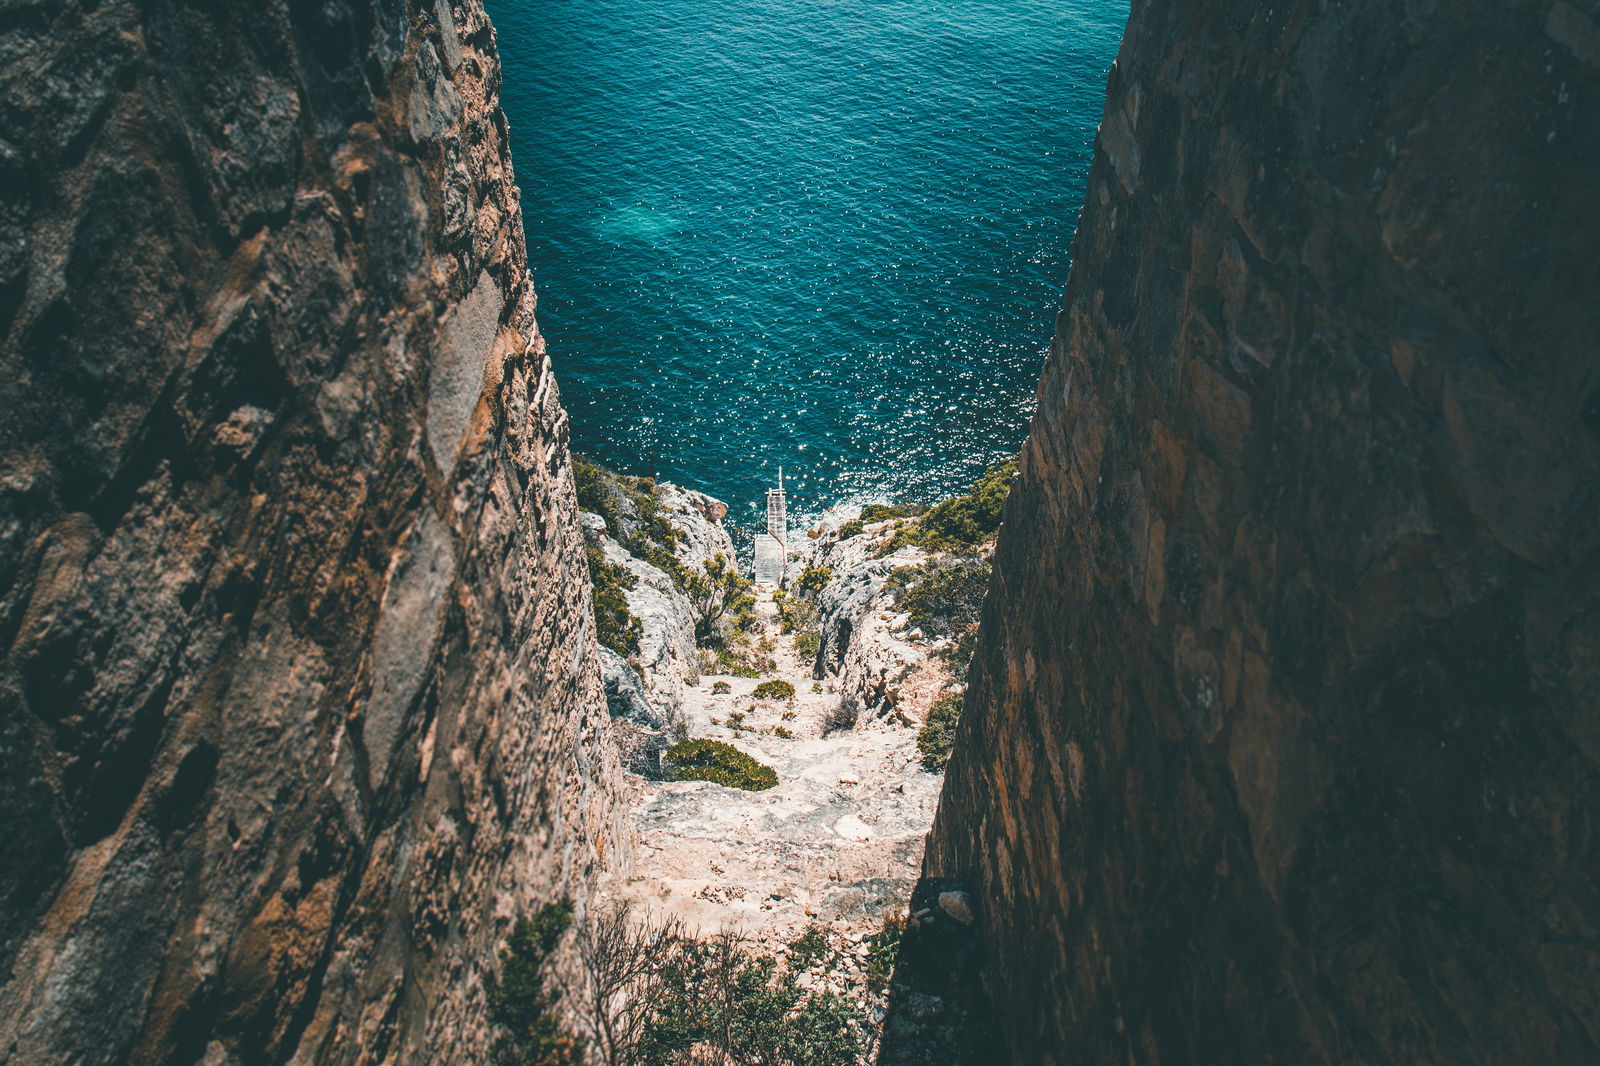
[(852, 828), (958, 905)]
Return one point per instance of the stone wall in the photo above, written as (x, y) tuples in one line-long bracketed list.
[(299, 698), (1282, 741)]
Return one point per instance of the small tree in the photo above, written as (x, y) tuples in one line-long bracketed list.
[(624, 962), (720, 596)]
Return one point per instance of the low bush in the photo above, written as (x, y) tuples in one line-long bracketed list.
[(811, 947), (521, 1006), (841, 717), (719, 763), (807, 643), (945, 601), (967, 521), (716, 1002), (936, 740), (812, 580), (960, 523), (776, 689), (632, 509), (795, 613), (721, 688), (647, 993), (727, 662), (616, 627), (883, 950), (942, 600), (782, 732), (850, 529), (878, 512)]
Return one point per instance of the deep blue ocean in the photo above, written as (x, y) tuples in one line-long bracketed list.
[(825, 235)]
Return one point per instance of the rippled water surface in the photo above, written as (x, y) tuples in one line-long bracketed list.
[(825, 235)]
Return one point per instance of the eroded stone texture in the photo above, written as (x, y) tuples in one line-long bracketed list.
[(1282, 742), (299, 704)]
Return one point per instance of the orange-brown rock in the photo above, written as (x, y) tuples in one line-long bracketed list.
[(1282, 741), (299, 697)]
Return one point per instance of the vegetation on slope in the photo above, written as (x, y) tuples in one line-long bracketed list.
[(719, 597), (616, 626), (945, 599), (723, 764), (961, 523), (646, 993), (522, 1000), (775, 689), (938, 735)]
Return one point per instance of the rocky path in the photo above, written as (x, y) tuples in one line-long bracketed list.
[(838, 841)]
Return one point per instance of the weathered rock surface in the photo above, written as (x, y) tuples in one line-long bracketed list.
[(667, 658), (838, 840), (299, 696), (698, 521), (666, 654), (878, 668), (1282, 739)]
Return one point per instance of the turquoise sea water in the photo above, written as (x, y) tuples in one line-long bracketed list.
[(824, 235)]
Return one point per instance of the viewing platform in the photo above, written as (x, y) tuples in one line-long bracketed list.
[(772, 547)]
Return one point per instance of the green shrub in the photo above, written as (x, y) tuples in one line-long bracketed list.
[(593, 483), (732, 664), (721, 688), (776, 689), (795, 612), (879, 512), (967, 521), (960, 523), (783, 732), (807, 643), (813, 579), (811, 947), (850, 529), (942, 600), (519, 1004), (945, 600), (883, 949), (937, 737), (616, 627), (646, 533), (716, 1002), (722, 764), (720, 597)]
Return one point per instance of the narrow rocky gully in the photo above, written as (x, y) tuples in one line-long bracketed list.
[(839, 839), (828, 680)]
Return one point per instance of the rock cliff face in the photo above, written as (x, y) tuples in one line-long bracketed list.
[(1282, 739), (865, 651), (299, 694)]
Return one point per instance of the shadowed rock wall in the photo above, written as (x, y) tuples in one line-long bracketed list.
[(1282, 742), (299, 702)]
